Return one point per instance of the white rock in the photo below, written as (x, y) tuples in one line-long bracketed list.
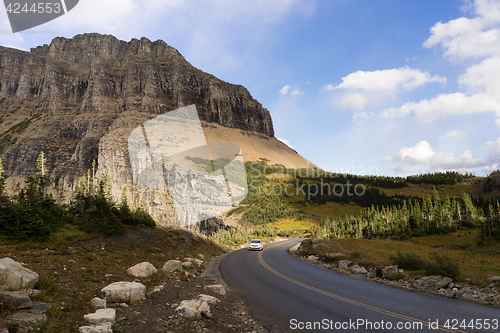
[(98, 303), (198, 262), (128, 292), (187, 264), (208, 299), (433, 282), (344, 264), (158, 288), (205, 309), (494, 279), (193, 308), (101, 316), (103, 328), (202, 257), (358, 269), (172, 265), (216, 288), (144, 269), (15, 275)]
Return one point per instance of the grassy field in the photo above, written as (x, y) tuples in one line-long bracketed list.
[(476, 263), (424, 190)]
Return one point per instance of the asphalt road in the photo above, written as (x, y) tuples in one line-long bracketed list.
[(288, 295)]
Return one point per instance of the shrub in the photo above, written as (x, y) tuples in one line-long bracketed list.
[(444, 266), (409, 261)]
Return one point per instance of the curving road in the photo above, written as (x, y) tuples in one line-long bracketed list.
[(288, 295)]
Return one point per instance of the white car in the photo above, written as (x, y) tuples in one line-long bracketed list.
[(256, 244)]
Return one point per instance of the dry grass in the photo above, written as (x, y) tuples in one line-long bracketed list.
[(73, 272), (476, 263), (292, 224), (425, 190), (331, 210)]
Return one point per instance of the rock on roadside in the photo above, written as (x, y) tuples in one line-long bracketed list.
[(433, 282)]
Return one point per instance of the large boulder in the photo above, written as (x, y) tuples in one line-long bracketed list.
[(144, 269), (101, 316), (433, 282), (193, 308), (172, 265), (125, 292), (15, 275)]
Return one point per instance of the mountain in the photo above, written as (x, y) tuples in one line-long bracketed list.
[(78, 100)]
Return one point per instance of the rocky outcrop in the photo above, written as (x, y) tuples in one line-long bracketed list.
[(78, 100)]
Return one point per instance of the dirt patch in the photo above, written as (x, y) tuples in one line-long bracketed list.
[(74, 272)]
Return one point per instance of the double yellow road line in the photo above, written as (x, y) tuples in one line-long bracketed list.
[(347, 300)]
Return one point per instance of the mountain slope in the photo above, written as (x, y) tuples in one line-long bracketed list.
[(78, 100)]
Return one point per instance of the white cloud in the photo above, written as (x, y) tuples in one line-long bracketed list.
[(497, 121), (422, 154), (235, 32), (464, 38), (354, 101), (453, 134), (388, 79), (492, 147), (446, 104), (285, 90), (294, 91), (285, 141), (483, 77)]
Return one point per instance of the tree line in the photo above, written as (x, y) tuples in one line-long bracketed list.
[(37, 210), (415, 218)]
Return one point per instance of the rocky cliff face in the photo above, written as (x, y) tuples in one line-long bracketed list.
[(78, 100)]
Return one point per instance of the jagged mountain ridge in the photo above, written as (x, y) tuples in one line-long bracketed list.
[(100, 77)]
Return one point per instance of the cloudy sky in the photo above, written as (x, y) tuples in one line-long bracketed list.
[(384, 87)]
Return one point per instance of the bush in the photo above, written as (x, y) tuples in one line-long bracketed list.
[(409, 261), (442, 265)]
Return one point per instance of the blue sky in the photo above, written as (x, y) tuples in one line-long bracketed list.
[(385, 87)]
